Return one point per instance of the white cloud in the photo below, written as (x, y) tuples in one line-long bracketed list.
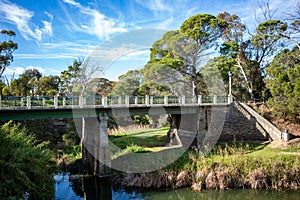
[(71, 2), (96, 24), (155, 5), (14, 71), (46, 56), (21, 17)]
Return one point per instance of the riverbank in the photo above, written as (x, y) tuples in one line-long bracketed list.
[(250, 165), (227, 166), (91, 188)]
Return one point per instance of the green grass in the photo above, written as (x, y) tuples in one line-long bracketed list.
[(147, 138), (139, 141)]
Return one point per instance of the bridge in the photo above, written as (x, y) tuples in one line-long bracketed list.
[(189, 118), (37, 107)]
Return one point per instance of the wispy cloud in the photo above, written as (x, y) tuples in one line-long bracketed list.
[(21, 17), (97, 23), (16, 71), (46, 56), (155, 5)]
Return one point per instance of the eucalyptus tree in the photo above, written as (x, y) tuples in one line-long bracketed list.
[(284, 83), (48, 85), (128, 84), (253, 55), (26, 84), (7, 47), (184, 50), (68, 77), (100, 86)]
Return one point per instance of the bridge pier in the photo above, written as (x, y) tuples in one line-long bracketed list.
[(187, 129), (95, 146)]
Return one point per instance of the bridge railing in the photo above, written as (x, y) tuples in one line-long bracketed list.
[(14, 102)]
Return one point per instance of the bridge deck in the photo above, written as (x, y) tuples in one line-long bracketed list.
[(12, 109)]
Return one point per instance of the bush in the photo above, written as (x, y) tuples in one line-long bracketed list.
[(26, 167)]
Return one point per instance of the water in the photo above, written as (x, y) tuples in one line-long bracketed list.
[(91, 188)]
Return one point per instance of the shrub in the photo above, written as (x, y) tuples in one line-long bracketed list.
[(26, 167)]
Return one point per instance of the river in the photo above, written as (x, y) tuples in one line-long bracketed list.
[(91, 188)]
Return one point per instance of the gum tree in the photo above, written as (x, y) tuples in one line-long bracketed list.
[(185, 49), (7, 47)]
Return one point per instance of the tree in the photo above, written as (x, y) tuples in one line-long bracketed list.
[(284, 83), (128, 84), (48, 85), (6, 50), (184, 50), (227, 62), (253, 55), (68, 77), (159, 80), (100, 86), (27, 83)]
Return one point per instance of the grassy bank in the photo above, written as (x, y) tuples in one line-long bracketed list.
[(233, 165)]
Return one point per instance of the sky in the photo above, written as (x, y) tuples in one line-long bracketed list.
[(117, 33)]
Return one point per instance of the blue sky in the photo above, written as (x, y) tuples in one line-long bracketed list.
[(51, 34)]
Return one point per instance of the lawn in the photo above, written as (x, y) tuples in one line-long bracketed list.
[(139, 141)]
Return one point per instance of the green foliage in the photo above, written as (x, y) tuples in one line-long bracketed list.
[(100, 86), (48, 85), (142, 119), (6, 50), (267, 35), (284, 84), (26, 84), (205, 29), (68, 77), (176, 57), (128, 84), (25, 165)]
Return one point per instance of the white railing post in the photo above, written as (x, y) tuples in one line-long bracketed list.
[(151, 100), (104, 101), (136, 100), (22, 102), (28, 102), (183, 100), (83, 101), (199, 99), (166, 100), (80, 101), (230, 99), (44, 102), (215, 100), (147, 101), (64, 101), (55, 101), (119, 100), (127, 101)]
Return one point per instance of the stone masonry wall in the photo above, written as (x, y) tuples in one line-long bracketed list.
[(240, 125)]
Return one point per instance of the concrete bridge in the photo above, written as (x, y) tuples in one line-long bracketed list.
[(93, 111), (191, 117)]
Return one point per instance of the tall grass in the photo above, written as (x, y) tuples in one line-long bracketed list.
[(236, 165)]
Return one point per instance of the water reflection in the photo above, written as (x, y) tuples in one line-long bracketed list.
[(92, 188), (89, 188)]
